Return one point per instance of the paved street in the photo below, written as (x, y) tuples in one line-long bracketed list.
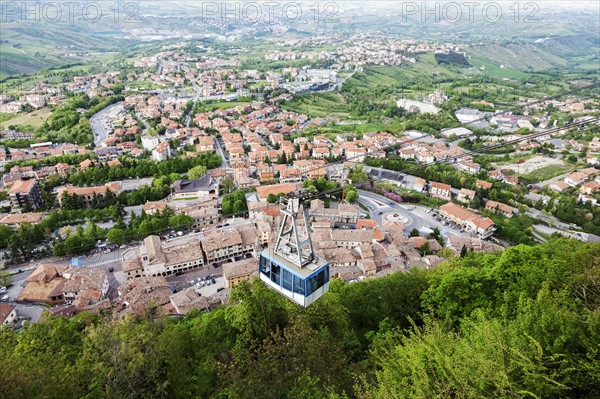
[(413, 216), (100, 122)]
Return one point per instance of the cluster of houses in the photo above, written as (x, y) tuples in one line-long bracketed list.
[(358, 50), (587, 180)]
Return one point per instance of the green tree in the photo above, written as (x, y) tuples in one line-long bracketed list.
[(351, 195), (196, 172), (227, 184), (239, 207), (271, 198), (358, 174), (5, 234), (5, 278), (180, 221)]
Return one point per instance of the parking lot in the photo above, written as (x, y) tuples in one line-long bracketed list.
[(185, 280)]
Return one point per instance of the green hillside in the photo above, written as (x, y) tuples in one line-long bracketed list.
[(516, 324)]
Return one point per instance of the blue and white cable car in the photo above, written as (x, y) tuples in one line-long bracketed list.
[(291, 266)]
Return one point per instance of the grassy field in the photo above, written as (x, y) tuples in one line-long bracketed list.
[(7, 117), (225, 104), (494, 70), (548, 172), (319, 105), (35, 118), (520, 56)]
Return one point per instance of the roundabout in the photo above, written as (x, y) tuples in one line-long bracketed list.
[(397, 217)]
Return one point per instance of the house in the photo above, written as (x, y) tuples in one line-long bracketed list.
[(162, 152), (15, 219), (483, 184), (471, 167), (202, 217), (188, 299), (204, 187), (85, 284), (62, 168), (154, 207), (419, 184), (114, 163), (236, 272), (441, 191), (137, 294), (8, 315), (588, 188), (473, 223), (500, 208), (205, 143), (558, 186), (44, 285), (575, 178), (25, 193), (86, 164), (465, 195), (587, 198), (344, 213), (592, 160)]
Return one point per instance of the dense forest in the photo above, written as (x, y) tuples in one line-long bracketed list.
[(522, 323)]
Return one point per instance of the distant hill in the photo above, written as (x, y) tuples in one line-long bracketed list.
[(543, 54)]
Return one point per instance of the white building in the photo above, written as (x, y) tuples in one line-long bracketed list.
[(8, 315), (149, 142), (162, 152)]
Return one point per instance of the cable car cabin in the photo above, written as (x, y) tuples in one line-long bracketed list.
[(302, 285), (290, 266)]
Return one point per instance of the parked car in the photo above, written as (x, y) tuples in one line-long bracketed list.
[(4, 298)]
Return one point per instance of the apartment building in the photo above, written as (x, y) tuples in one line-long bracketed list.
[(149, 142), (87, 194), (25, 193), (236, 272), (162, 152), (473, 223), (500, 208), (165, 258), (441, 191), (85, 283)]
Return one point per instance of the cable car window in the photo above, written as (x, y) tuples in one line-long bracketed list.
[(288, 279), (275, 273), (298, 285), (317, 281), (265, 265)]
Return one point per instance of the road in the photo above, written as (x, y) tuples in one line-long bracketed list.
[(100, 122), (221, 153), (413, 216)]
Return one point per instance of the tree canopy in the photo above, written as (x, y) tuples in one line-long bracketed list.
[(514, 324)]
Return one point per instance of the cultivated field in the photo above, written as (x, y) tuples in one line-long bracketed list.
[(35, 119)]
